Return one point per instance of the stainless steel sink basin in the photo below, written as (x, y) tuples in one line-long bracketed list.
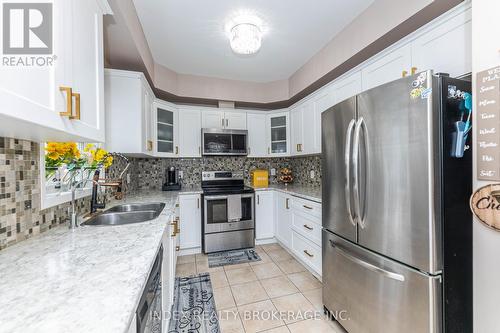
[(127, 214), (156, 206)]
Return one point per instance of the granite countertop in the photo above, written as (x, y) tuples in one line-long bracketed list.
[(302, 191), (85, 280)]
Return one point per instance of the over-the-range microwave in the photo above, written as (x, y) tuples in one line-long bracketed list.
[(217, 141)]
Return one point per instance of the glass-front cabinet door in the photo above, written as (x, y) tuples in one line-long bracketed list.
[(279, 134), (166, 130)]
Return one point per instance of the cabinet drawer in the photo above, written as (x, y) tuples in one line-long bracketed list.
[(306, 250), (307, 206), (308, 226)]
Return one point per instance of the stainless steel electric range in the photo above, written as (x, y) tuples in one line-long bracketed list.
[(228, 212)]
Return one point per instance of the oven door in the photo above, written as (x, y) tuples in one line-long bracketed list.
[(217, 210)]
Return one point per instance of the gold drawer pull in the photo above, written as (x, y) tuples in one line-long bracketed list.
[(77, 107), (308, 227), (307, 207), (177, 248), (287, 206), (69, 101), (308, 254), (404, 74), (150, 145), (413, 70), (176, 150)]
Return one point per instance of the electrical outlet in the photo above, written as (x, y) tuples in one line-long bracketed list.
[(312, 174), (273, 172), (128, 178), (181, 174)]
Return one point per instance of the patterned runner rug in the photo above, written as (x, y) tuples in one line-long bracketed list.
[(232, 257), (194, 306)]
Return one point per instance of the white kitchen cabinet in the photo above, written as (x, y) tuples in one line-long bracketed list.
[(257, 134), (189, 133), (212, 119), (190, 222), (296, 130), (236, 120), (224, 119), (166, 129), (129, 113), (278, 130), (33, 103), (264, 215), (447, 47), (346, 87), (303, 120), (283, 227), (393, 65)]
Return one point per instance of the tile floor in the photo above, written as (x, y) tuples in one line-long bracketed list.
[(275, 295)]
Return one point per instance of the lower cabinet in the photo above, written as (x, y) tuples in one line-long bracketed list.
[(190, 222), (282, 218), (264, 215)]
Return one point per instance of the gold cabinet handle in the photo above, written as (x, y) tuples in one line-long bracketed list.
[(308, 254), (198, 202), (77, 106), (308, 227), (150, 145), (176, 150), (268, 150), (69, 101), (413, 70), (177, 248), (307, 207), (177, 205), (258, 199), (404, 74), (174, 233), (287, 203)]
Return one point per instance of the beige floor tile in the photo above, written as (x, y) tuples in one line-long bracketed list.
[(202, 266), (230, 322), (271, 247), (281, 329), (201, 256), (304, 281), (264, 259), (218, 279), (279, 255), (186, 259), (313, 326), (242, 275), (279, 286), (296, 306), (259, 316), (224, 298), (291, 266), (315, 296), (235, 266), (185, 269), (249, 292), (267, 271)]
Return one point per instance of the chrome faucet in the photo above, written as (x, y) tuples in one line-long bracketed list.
[(74, 217)]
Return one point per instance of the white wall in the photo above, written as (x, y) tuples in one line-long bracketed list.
[(485, 54)]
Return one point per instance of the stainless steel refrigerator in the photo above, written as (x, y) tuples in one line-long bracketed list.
[(397, 233)]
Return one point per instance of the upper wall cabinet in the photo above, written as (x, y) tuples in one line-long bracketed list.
[(303, 121), (167, 126), (447, 47), (279, 134), (257, 134), (224, 119), (60, 97), (189, 133), (392, 66), (129, 113)]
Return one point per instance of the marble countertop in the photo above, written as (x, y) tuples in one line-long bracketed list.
[(302, 191), (85, 280)]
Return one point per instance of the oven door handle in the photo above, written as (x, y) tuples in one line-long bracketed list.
[(219, 197)]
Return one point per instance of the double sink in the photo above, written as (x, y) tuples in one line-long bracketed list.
[(126, 214)]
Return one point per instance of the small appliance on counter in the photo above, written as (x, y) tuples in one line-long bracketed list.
[(172, 183), (259, 178)]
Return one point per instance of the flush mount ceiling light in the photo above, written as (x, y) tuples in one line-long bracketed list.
[(245, 34)]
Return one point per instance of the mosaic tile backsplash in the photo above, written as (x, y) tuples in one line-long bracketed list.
[(20, 213), (149, 173)]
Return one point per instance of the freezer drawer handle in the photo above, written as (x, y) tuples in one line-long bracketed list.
[(369, 266), (347, 162)]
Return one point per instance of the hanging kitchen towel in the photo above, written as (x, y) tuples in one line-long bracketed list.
[(234, 207)]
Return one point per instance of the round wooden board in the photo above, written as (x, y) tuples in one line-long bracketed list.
[(486, 207)]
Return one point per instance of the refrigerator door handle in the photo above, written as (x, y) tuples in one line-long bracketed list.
[(389, 274), (355, 163), (347, 162)]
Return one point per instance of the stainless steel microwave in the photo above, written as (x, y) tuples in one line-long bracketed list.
[(224, 141)]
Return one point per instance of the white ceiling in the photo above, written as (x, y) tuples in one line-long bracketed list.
[(188, 36)]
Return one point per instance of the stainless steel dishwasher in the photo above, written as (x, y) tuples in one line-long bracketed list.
[(149, 311)]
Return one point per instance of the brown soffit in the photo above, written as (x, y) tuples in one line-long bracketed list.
[(419, 19)]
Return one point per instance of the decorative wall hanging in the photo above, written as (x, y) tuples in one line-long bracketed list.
[(485, 204)]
